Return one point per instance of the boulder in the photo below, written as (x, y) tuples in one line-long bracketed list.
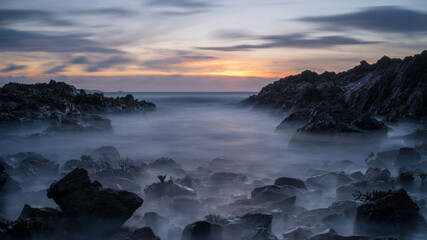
[(144, 233), (329, 180), (377, 175), (202, 230), (407, 157), (89, 206), (287, 181), (393, 212), (251, 226), (154, 221), (297, 233), (270, 193), (167, 189)]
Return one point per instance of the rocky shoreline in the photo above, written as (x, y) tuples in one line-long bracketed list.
[(69, 109), (349, 101)]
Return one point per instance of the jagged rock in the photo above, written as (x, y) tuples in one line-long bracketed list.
[(154, 221), (287, 181), (377, 175), (325, 235), (329, 180), (90, 206), (357, 175), (407, 157), (270, 193), (394, 213), (80, 123), (202, 230), (251, 226), (374, 160), (55, 100), (390, 87), (298, 233), (295, 119), (167, 189), (144, 233)]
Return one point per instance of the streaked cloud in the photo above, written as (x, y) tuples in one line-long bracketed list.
[(10, 16), (380, 19), (28, 41), (56, 69), (13, 67), (298, 40)]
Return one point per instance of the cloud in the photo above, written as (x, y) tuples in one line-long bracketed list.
[(175, 59), (80, 60), (13, 67), (9, 16), (56, 69), (118, 12), (188, 4), (27, 41), (380, 19), (292, 41), (107, 63)]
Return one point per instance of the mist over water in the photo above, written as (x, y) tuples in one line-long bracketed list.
[(193, 129)]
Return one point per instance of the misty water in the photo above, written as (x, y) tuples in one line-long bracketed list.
[(193, 129)]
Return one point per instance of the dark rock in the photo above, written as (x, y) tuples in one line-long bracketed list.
[(80, 123), (164, 163), (325, 235), (144, 233), (55, 100), (390, 87), (346, 192), (167, 189), (377, 175), (298, 233), (348, 208), (90, 206), (36, 166), (154, 221), (295, 119), (294, 182), (250, 226), (329, 180), (219, 164), (407, 157), (85, 162), (270, 193), (202, 230), (8, 184), (394, 213), (374, 160)]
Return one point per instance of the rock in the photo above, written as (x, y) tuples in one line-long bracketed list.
[(90, 206), (164, 163), (167, 189), (348, 208), (270, 193), (346, 192), (85, 162), (375, 161), (7, 184), (80, 123), (295, 119), (329, 180), (287, 181), (298, 233), (228, 178), (56, 100), (377, 175), (250, 226), (358, 176), (394, 213), (154, 221), (407, 157), (325, 235), (202, 230), (36, 167), (107, 155), (390, 87), (144, 233)]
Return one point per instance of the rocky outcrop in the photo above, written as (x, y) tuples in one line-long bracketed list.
[(88, 205), (390, 87), (395, 212), (58, 100)]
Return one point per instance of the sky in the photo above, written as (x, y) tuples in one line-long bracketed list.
[(199, 45)]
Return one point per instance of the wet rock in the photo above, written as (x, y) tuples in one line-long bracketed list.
[(80, 123), (295, 119), (56, 100), (270, 193), (377, 175), (167, 189), (346, 192), (328, 234), (228, 178), (202, 230), (144, 233), (358, 176), (407, 157), (107, 155), (34, 165), (86, 162), (89, 205), (374, 160), (329, 180), (7, 184), (394, 213), (154, 221), (250, 226), (348, 208), (298, 233), (287, 181)]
